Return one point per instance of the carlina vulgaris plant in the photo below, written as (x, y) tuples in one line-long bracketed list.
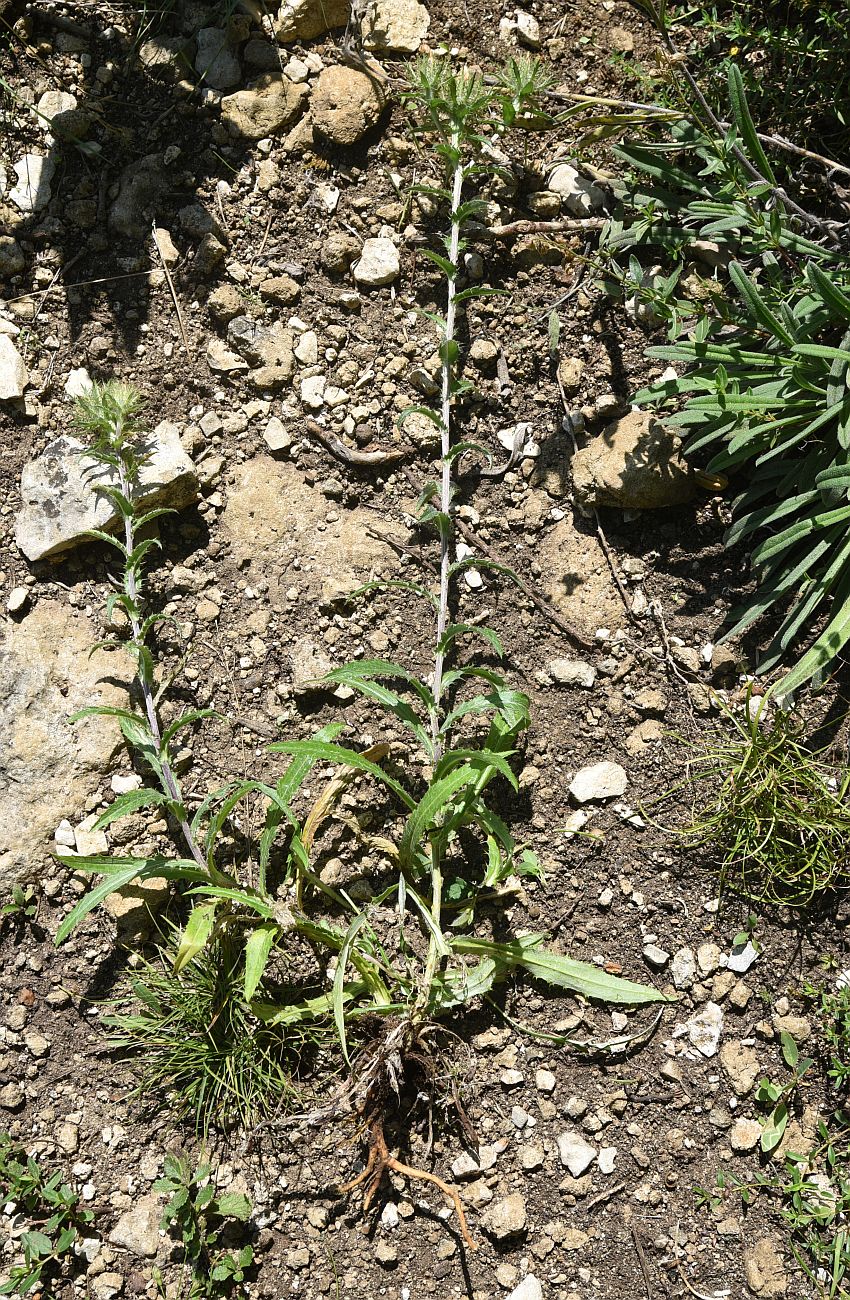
[(387, 967)]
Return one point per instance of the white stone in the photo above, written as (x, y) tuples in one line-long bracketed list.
[(124, 784), (599, 781), (528, 1289), (742, 959), (17, 600), (577, 194), (32, 192), (605, 1159), (51, 103), (215, 62), (14, 375), (527, 29), (276, 436), (307, 348), (64, 834), (571, 672), (704, 1029), (377, 265), (397, 26), (684, 968), (576, 1154), (78, 383), (313, 391)]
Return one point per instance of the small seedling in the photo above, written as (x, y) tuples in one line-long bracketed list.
[(777, 1095), (196, 1215), (57, 1219), (22, 906)]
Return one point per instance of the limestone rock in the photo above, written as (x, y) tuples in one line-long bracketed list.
[(635, 464), (60, 503), (704, 1029), (741, 1065), (577, 579), (577, 194), (764, 1269), (138, 1228), (141, 187), (304, 20), (576, 1154), (599, 781), (215, 62), (377, 265), (571, 672), (399, 26), (345, 104), (14, 375), (12, 260), (269, 108), (528, 1289), (745, 1135), (48, 767), (32, 192), (506, 1218)]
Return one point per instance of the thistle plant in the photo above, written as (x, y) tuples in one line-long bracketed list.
[(376, 973)]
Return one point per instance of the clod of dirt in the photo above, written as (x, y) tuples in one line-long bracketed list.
[(14, 375), (505, 1219), (216, 63), (272, 105), (397, 26), (599, 781), (304, 20), (47, 766), (634, 464), (138, 1229), (32, 192), (764, 1269), (140, 191), (378, 264), (60, 502), (741, 1065), (12, 260), (345, 104)]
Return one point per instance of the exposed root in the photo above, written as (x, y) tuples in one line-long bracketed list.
[(381, 1162)]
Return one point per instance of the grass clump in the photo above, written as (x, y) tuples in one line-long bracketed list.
[(193, 1040), (771, 811)]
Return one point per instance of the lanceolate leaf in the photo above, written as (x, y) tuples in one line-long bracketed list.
[(128, 803), (425, 816), (258, 947), (529, 953), (195, 935), (117, 873), (744, 123)]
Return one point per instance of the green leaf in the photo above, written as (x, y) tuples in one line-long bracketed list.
[(128, 803), (36, 1245), (828, 291), (119, 872), (196, 934), (455, 630), (826, 647), (424, 815), (108, 711), (233, 1205), (328, 753), (339, 981), (185, 720), (758, 306), (563, 972), (774, 1128), (790, 1050), (744, 123), (448, 268), (258, 947), (356, 669)]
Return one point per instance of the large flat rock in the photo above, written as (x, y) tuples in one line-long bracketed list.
[(61, 503), (49, 767)]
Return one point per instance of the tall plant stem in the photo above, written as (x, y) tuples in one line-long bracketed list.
[(447, 372), (168, 776)]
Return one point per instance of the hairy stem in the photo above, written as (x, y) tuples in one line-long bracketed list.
[(169, 779)]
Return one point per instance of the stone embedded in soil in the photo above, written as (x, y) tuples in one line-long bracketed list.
[(306, 19), (14, 375), (138, 1228), (78, 383), (599, 781), (745, 1134), (12, 260), (271, 106), (741, 1065), (506, 1218), (741, 959), (571, 672), (576, 577), (578, 195), (399, 26), (684, 968), (655, 957), (345, 104), (704, 1029), (528, 1289), (215, 62), (60, 504), (635, 464), (141, 189), (576, 1154), (32, 192), (764, 1268), (47, 766)]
